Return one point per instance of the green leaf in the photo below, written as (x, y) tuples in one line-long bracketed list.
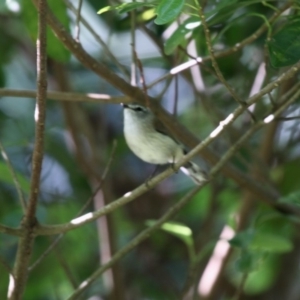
[(181, 231), (259, 240), (146, 15), (262, 277), (270, 243), (246, 262), (55, 49), (225, 10), (292, 198), (179, 34), (242, 239), (106, 9), (168, 10), (6, 177), (177, 229), (284, 174), (222, 11), (284, 47)]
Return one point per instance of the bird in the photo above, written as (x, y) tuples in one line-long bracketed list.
[(149, 140)]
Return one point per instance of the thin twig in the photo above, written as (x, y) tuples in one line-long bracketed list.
[(173, 210), (284, 119), (179, 131), (254, 36), (103, 177), (6, 266), (78, 17), (197, 61), (140, 66), (46, 252), (66, 268), (50, 230), (10, 230), (175, 105), (98, 39), (214, 61), (59, 237), (14, 176), (134, 242), (66, 96), (133, 76), (254, 128)]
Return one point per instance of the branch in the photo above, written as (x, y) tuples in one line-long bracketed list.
[(92, 216), (213, 58), (78, 17), (226, 52), (10, 230), (137, 240), (255, 35), (87, 60), (40, 112), (64, 96), (257, 189), (29, 221), (177, 207), (179, 131), (183, 135), (253, 129), (14, 176), (97, 37)]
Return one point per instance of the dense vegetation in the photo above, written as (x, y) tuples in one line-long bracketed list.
[(80, 218)]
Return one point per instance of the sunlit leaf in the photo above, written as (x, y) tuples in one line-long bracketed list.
[(105, 9), (177, 229), (147, 15)]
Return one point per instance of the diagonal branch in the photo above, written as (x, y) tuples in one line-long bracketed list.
[(137, 240), (66, 96), (14, 176), (177, 207)]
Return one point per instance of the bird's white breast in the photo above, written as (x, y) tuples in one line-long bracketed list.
[(148, 144)]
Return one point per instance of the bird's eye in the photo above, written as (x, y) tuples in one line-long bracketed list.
[(138, 108)]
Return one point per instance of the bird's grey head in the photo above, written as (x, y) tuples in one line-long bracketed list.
[(137, 110)]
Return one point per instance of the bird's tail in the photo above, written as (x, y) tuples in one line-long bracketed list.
[(192, 170)]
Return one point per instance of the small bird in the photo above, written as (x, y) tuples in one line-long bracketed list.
[(148, 139)]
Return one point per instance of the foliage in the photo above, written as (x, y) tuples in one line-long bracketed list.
[(194, 57)]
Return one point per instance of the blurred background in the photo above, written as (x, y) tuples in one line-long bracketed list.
[(82, 139)]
